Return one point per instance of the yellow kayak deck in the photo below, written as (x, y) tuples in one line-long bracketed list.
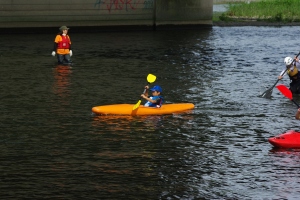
[(126, 109)]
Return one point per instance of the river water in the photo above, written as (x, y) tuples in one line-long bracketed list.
[(53, 146)]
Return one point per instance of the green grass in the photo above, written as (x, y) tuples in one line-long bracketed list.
[(217, 16), (265, 10)]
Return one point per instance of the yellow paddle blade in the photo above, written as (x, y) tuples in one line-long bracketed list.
[(151, 78), (137, 105)]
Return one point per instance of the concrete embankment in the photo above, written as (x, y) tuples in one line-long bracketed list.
[(105, 13)]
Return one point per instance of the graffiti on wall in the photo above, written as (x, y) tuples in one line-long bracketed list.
[(127, 5), (148, 4)]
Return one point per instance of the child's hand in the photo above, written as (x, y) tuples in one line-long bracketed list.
[(147, 87)]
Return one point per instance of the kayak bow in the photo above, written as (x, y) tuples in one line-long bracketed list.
[(290, 139)]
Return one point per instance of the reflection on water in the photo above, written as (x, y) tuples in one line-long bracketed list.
[(128, 123), (284, 162), (123, 124), (52, 146), (62, 81)]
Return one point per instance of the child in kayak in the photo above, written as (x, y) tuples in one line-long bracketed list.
[(156, 99), (291, 70)]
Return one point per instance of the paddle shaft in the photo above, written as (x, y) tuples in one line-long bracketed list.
[(282, 74), (296, 103), (148, 84), (277, 80), (145, 90), (271, 88), (150, 79)]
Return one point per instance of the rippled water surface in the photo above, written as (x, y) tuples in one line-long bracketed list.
[(53, 147)]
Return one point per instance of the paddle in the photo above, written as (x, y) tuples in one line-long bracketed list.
[(287, 93), (150, 78), (267, 94)]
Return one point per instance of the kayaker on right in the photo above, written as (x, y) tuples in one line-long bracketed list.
[(156, 99), (292, 71)]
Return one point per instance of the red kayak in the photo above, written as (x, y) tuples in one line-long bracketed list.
[(290, 139)]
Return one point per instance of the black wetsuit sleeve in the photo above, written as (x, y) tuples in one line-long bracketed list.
[(54, 46)]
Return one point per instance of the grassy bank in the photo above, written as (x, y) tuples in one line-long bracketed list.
[(264, 10), (230, 1)]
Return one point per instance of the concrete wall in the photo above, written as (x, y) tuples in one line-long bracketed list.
[(54, 13), (183, 12)]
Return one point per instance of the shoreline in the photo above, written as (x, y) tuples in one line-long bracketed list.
[(218, 10), (253, 23), (230, 1)]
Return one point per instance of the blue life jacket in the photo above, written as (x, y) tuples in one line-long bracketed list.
[(158, 104)]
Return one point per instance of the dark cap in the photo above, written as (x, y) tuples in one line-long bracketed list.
[(63, 28)]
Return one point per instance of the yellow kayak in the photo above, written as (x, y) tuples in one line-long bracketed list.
[(126, 109)]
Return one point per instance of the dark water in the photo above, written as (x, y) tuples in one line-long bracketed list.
[(53, 147)]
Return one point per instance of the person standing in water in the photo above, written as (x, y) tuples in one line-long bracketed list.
[(62, 46)]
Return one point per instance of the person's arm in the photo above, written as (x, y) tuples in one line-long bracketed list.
[(54, 49), (297, 62), (146, 92), (70, 48), (145, 95), (149, 99), (54, 46), (282, 73), (297, 116)]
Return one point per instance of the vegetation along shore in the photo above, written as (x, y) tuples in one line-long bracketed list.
[(258, 12)]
